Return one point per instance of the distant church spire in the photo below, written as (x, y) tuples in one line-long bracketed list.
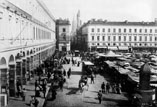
[(78, 19)]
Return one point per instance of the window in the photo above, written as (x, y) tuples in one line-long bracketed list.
[(103, 30), (108, 30), (119, 38), (103, 38), (135, 30), (155, 30), (129, 38), (135, 38), (114, 38), (150, 38), (135, 44), (150, 30), (114, 44), (145, 38), (64, 37), (92, 29), (140, 30), (119, 30), (64, 30), (92, 37), (124, 30), (108, 44), (124, 38), (98, 30), (108, 38), (130, 30), (98, 38), (34, 33), (145, 30), (114, 30), (1, 15), (155, 38), (98, 44), (140, 38)]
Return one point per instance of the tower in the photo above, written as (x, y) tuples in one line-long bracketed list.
[(78, 19)]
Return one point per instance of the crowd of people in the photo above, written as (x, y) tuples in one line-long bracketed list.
[(54, 73)]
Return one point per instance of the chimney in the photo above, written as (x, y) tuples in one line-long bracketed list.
[(126, 21), (105, 21)]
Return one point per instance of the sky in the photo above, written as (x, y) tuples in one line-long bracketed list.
[(112, 10)]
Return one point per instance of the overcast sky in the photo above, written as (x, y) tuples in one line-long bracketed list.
[(113, 10)]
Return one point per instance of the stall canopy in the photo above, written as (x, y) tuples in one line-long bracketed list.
[(123, 48), (88, 63), (112, 54), (113, 48)]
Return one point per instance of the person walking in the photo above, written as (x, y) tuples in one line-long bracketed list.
[(107, 87), (69, 72), (103, 87), (19, 88), (23, 94), (114, 88), (64, 72), (53, 94), (100, 96), (92, 79), (34, 102), (61, 85)]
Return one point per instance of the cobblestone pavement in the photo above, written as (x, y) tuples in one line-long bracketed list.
[(71, 97)]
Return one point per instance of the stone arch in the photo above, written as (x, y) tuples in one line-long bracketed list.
[(28, 52), (31, 52), (3, 61), (11, 59), (17, 56), (23, 54)]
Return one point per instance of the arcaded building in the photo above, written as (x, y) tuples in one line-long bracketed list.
[(27, 38), (124, 35)]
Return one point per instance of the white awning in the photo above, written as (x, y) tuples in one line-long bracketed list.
[(101, 47), (113, 48), (88, 63), (155, 85), (123, 48)]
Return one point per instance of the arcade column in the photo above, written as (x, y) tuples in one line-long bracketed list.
[(28, 68), (4, 80), (12, 80), (31, 66), (19, 70), (24, 71)]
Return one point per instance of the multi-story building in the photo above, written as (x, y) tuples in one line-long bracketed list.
[(119, 35), (63, 34), (27, 38)]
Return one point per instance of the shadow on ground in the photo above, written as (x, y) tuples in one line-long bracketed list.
[(91, 102), (73, 90), (76, 73), (120, 102)]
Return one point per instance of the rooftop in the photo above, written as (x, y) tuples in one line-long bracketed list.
[(120, 23), (62, 22)]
